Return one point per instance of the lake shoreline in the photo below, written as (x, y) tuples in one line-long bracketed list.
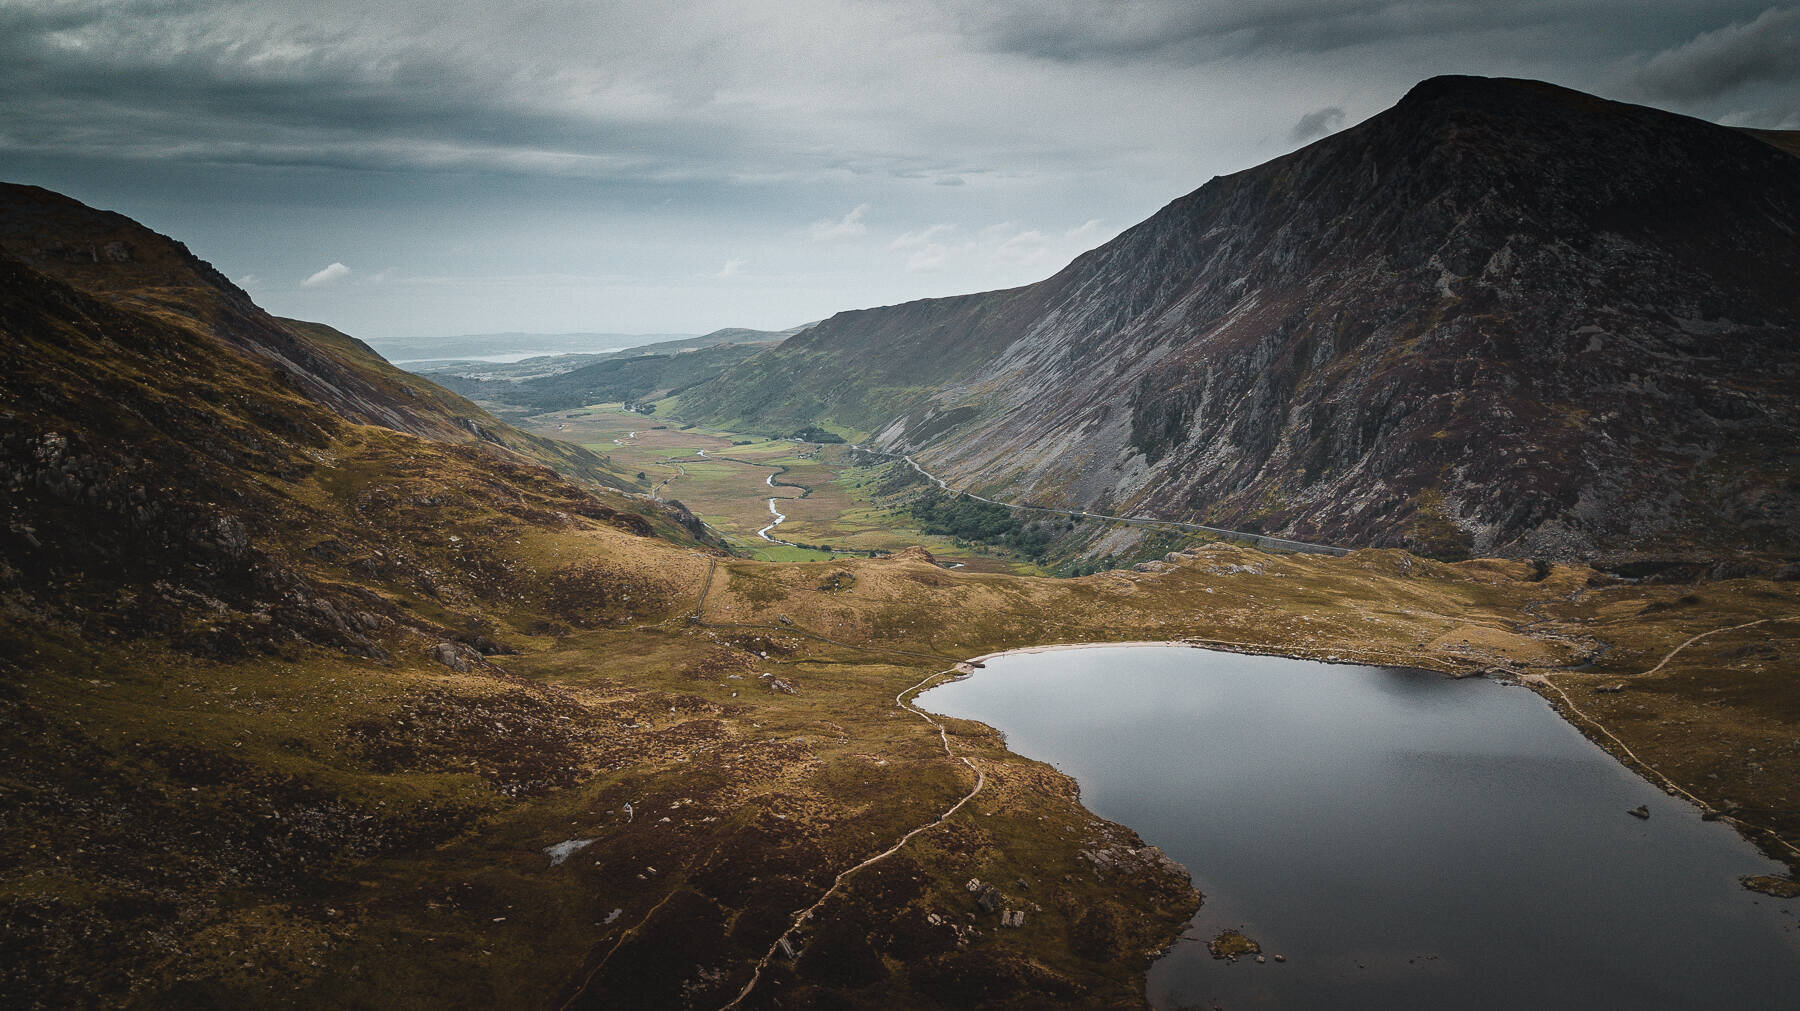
[(1235, 904), (1248, 649)]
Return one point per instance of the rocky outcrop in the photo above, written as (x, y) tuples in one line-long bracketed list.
[(1501, 317)]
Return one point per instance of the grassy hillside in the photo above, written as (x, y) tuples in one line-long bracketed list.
[(471, 421), (858, 370)]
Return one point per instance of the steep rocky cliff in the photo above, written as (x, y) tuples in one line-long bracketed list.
[(1501, 317)]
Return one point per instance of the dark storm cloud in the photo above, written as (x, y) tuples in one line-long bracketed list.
[(1317, 123), (563, 87), (239, 84), (1765, 50), (712, 91)]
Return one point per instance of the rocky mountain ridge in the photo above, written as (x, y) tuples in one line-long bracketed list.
[(1500, 318)]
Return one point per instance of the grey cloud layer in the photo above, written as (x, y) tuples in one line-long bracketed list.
[(585, 133), (1126, 30), (644, 90), (1765, 50), (258, 83)]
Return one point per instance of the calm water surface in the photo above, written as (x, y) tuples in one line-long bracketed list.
[(1404, 839)]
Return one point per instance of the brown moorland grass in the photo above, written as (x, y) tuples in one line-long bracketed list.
[(311, 827)]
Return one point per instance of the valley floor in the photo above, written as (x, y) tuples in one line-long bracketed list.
[(828, 498)]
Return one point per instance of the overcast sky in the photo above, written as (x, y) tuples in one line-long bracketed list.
[(417, 168)]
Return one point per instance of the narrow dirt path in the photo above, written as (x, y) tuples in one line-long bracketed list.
[(1732, 628), (1655, 773), (806, 914), (712, 566), (656, 492)]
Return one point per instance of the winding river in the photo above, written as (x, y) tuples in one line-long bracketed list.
[(1402, 839), (764, 532)]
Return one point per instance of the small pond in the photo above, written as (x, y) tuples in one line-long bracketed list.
[(1404, 839)]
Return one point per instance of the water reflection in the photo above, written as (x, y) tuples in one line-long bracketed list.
[(1406, 840)]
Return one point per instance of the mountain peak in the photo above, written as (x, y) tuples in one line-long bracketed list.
[(1473, 89), (1495, 317)]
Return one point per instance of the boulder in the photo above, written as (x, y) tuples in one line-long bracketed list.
[(447, 654), (990, 900)]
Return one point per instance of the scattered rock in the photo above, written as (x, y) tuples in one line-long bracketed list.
[(565, 849), (1640, 811), (1781, 888), (1280, 958), (1012, 918), (1147, 859), (990, 900), (1232, 945)]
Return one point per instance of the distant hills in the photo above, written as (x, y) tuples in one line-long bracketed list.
[(1501, 317), (510, 345), (634, 374)]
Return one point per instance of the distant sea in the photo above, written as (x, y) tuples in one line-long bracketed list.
[(505, 359), (504, 348)]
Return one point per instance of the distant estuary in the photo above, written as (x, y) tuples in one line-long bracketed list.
[(1399, 839)]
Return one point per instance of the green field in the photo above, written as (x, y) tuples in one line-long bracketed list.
[(729, 487)]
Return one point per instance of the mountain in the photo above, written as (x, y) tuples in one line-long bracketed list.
[(163, 431), (304, 709), (111, 257), (1502, 317), (201, 513)]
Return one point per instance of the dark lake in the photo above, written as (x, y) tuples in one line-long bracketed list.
[(1405, 840)]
